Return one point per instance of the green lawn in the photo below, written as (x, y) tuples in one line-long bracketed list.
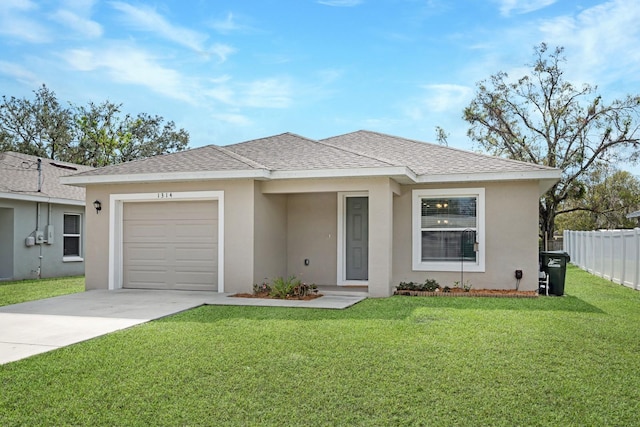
[(551, 361), (29, 290)]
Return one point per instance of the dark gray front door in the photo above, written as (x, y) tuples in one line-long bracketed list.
[(357, 238)]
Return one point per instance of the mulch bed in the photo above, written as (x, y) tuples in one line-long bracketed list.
[(457, 292), (267, 296)]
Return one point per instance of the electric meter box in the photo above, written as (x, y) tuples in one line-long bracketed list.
[(48, 231)]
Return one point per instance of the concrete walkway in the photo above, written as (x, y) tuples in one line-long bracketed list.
[(39, 326)]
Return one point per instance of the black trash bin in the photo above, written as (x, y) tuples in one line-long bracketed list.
[(554, 263)]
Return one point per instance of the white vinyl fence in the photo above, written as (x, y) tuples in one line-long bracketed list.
[(611, 254)]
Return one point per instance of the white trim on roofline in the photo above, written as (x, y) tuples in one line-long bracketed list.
[(164, 177), (401, 173), (490, 176), (42, 199)]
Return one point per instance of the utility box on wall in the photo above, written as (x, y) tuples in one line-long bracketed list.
[(48, 231)]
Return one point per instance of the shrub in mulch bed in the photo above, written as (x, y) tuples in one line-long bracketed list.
[(492, 293)]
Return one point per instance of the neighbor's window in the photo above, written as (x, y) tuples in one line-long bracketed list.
[(71, 235), (447, 229)]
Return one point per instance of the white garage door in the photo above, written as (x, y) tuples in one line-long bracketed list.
[(170, 245)]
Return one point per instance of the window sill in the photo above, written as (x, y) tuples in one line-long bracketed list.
[(448, 266), (72, 259)]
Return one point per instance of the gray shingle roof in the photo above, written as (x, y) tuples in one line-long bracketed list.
[(289, 152), (293, 152), (424, 158), (19, 176), (206, 158)]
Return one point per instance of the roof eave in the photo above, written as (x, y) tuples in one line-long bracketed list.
[(546, 178), (82, 181), (401, 174), (42, 199)]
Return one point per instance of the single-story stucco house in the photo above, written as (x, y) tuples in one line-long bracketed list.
[(362, 208), (41, 220)]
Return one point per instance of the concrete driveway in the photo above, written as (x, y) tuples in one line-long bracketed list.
[(39, 326)]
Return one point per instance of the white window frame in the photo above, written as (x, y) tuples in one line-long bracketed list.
[(453, 265), (72, 258)]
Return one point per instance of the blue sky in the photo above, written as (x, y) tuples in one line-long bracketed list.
[(230, 71)]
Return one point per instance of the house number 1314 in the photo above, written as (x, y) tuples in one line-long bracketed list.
[(165, 195)]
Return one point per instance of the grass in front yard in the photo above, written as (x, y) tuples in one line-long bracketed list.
[(30, 290), (398, 361)]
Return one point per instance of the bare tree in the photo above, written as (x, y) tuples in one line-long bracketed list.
[(544, 119)]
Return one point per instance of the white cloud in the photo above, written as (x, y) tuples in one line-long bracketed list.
[(19, 73), (522, 6), (234, 119), (7, 5), (230, 25), (15, 21), (147, 19), (267, 93), (262, 93), (601, 43), (222, 51), (84, 26), (125, 64), (222, 93), (446, 97), (340, 3)]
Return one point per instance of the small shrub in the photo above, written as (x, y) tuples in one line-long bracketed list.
[(282, 288), (302, 290), (406, 286), (446, 289), (262, 288), (429, 285)]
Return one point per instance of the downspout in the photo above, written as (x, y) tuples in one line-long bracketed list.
[(39, 175), (38, 218), (39, 244)]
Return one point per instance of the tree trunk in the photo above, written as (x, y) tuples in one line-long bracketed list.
[(547, 223)]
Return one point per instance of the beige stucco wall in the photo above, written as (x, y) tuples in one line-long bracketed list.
[(511, 220), (272, 227), (238, 239), (311, 234), (381, 214), (307, 204), (270, 243)]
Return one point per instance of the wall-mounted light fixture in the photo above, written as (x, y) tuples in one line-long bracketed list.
[(98, 205)]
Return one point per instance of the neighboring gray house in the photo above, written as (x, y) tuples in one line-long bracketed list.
[(41, 220), (362, 209), (636, 215)]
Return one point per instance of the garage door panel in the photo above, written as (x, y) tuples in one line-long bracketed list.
[(170, 210), (194, 280), (139, 232), (146, 254), (196, 255), (147, 278), (170, 245), (198, 231)]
